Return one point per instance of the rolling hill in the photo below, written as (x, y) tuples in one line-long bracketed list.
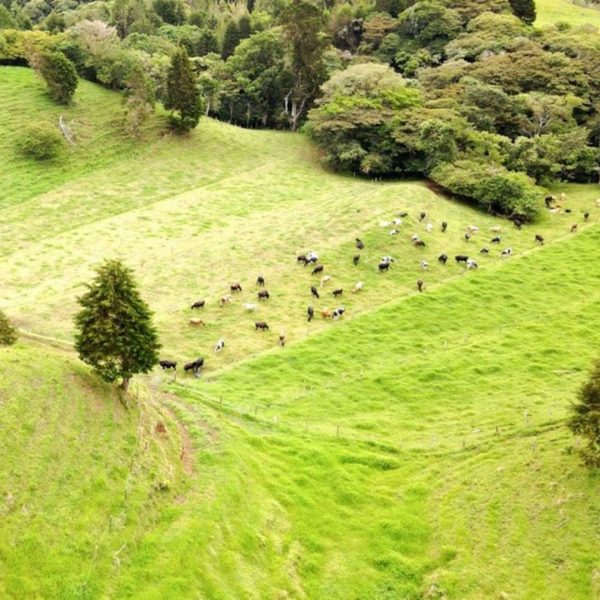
[(415, 448)]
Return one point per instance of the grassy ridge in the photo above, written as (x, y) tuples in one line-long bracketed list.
[(550, 12)]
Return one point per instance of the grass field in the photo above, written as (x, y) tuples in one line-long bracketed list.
[(415, 448), (550, 12)]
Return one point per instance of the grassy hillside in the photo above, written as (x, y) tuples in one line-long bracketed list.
[(550, 12), (81, 478), (415, 448)]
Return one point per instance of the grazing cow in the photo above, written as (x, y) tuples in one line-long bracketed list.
[(302, 258), (310, 313), (424, 265), (422, 215), (326, 314), (420, 284), (168, 364), (419, 244), (318, 269), (471, 264), (194, 366), (472, 228), (429, 227), (314, 291), (574, 228), (338, 312), (225, 299), (337, 292), (444, 226), (235, 287), (485, 250), (539, 239), (506, 252), (461, 258), (496, 240), (197, 322), (467, 236), (356, 259), (311, 258), (263, 295), (199, 304), (442, 258), (384, 223), (549, 201), (250, 306), (397, 221), (403, 214), (414, 238), (568, 210), (388, 259), (359, 244), (324, 280), (358, 286), (282, 338), (220, 345), (383, 266), (260, 281), (518, 223), (394, 232), (586, 216), (261, 325), (496, 229)]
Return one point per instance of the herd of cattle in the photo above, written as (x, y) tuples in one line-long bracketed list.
[(384, 265)]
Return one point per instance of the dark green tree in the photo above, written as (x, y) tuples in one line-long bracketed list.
[(170, 11), (59, 74), (115, 334), (231, 38), (585, 417), (8, 334), (303, 24), (183, 97), (524, 9)]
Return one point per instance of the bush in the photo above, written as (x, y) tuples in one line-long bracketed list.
[(60, 75), (8, 334), (40, 141), (491, 186)]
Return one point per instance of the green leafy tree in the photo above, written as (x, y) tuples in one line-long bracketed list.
[(59, 74), (8, 334), (115, 334), (231, 38), (170, 11), (6, 19), (524, 9), (303, 24), (183, 97), (585, 417)]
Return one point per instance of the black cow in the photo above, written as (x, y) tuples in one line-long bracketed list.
[(261, 325), (496, 240), (356, 259), (539, 239), (318, 269), (484, 251), (310, 312), (359, 244), (403, 214), (194, 366), (302, 258), (467, 236), (263, 295), (586, 216), (518, 223), (383, 266), (444, 226), (260, 280), (461, 258), (420, 284), (549, 200), (568, 210), (442, 258), (314, 291), (168, 364), (199, 304), (422, 215), (419, 244), (235, 287), (337, 292)]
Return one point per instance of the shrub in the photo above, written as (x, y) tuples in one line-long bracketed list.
[(40, 141), (60, 75), (8, 334), (585, 419)]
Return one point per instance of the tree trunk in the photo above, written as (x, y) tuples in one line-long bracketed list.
[(125, 384)]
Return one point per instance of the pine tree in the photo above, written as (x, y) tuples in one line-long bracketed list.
[(585, 419), (60, 75), (183, 97), (8, 334), (115, 334), (524, 9), (231, 38)]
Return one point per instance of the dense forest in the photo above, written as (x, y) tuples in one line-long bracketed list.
[(469, 94)]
